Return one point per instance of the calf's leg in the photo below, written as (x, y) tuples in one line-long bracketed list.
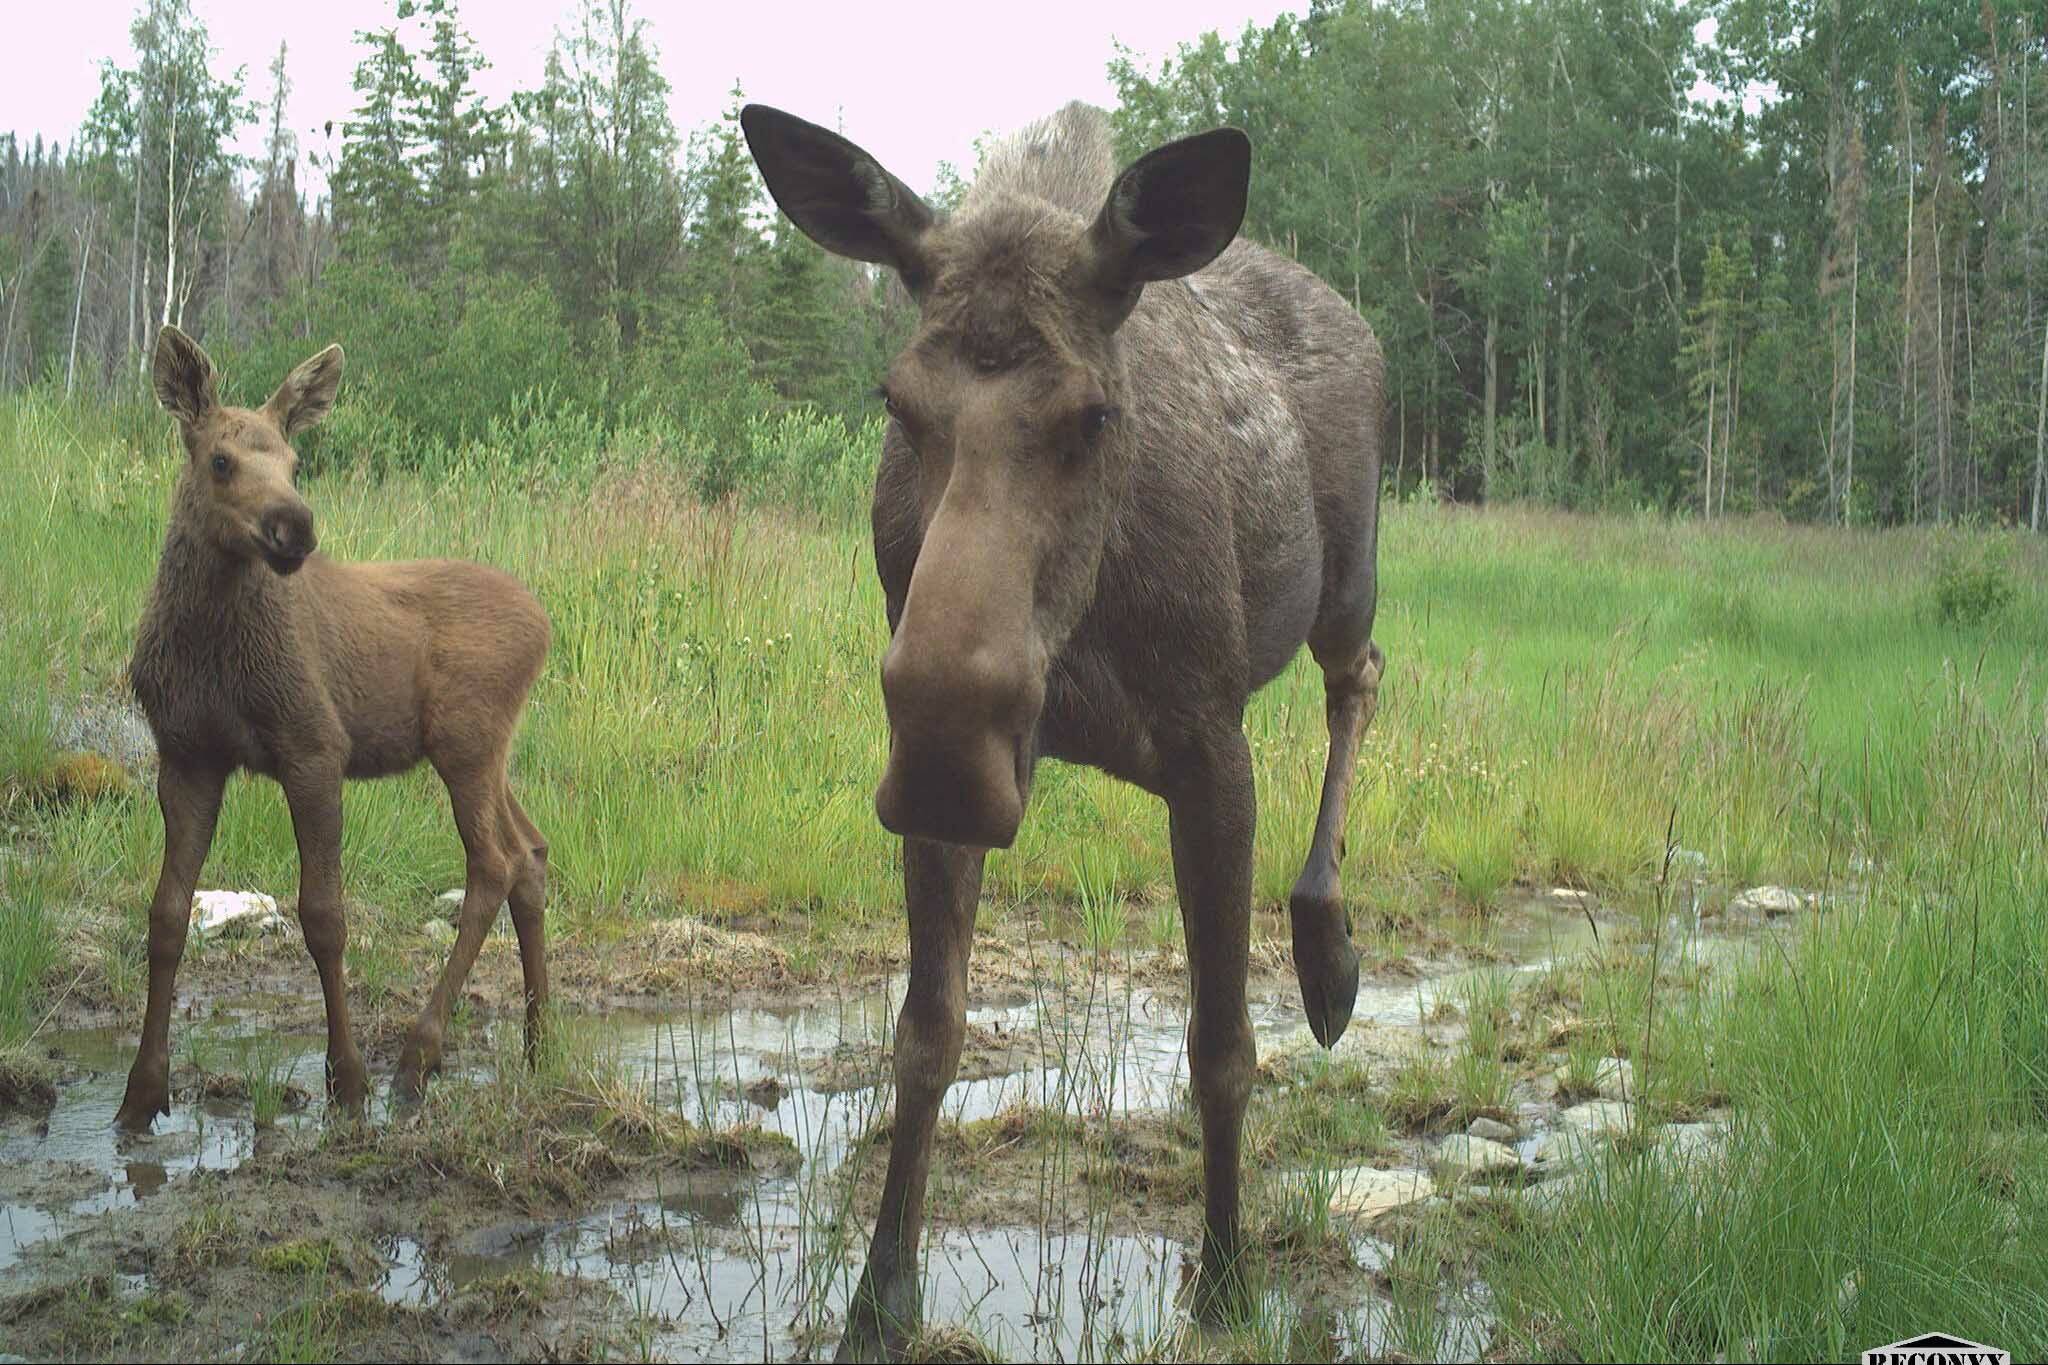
[(190, 800), (528, 897), (313, 791), (477, 793)]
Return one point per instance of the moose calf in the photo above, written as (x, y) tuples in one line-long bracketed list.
[(256, 652)]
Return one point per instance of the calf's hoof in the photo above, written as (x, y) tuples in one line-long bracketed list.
[(1326, 964), (348, 1091)]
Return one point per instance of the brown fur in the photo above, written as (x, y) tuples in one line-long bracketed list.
[(258, 653), (1132, 467)]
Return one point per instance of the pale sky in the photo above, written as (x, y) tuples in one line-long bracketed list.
[(913, 83)]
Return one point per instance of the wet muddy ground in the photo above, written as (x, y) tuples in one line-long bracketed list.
[(692, 1178)]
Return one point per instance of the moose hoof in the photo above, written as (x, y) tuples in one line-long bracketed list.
[(137, 1114), (881, 1324), (1222, 1295), (1326, 964)]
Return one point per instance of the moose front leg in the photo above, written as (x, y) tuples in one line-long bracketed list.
[(941, 883), (190, 800), (313, 792), (1211, 812)]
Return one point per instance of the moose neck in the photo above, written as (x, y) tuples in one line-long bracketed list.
[(198, 581)]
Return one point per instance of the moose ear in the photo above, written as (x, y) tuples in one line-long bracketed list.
[(182, 376), (307, 393), (1170, 213), (838, 195)]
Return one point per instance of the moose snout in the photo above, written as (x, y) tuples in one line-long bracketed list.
[(286, 535), (960, 726)]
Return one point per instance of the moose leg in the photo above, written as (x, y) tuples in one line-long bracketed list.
[(190, 801), (1211, 812), (1325, 962), (941, 883), (529, 898), (478, 796), (314, 795)]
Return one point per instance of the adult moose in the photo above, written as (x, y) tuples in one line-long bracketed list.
[(1131, 466), (257, 653)]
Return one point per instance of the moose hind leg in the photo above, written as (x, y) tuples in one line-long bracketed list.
[(477, 795), (528, 899), (313, 791), (1325, 961)]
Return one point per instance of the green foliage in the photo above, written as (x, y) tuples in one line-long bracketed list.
[(27, 952), (1973, 578), (599, 148)]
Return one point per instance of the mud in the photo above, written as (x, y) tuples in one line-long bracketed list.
[(696, 1181)]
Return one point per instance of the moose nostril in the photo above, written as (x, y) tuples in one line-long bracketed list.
[(291, 532)]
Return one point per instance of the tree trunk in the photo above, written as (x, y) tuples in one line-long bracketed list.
[(77, 309), (1707, 467), (1564, 349), (135, 239), (1849, 446), (2040, 437), (1488, 453), (170, 217), (1401, 442)]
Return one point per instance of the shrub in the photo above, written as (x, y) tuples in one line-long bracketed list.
[(1973, 580)]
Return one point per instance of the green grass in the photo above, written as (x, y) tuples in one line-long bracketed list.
[(1553, 696), (1887, 1077), (1563, 694)]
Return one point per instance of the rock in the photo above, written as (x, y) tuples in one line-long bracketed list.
[(448, 905), (1367, 1192), (1470, 1158), (1598, 1117), (1768, 900), (1570, 898), (765, 1093), (440, 931), (1562, 1147), (1614, 1078), (1371, 1254), (110, 727), (235, 914), (1693, 1144), (1550, 1195), (1493, 1130), (1687, 862)]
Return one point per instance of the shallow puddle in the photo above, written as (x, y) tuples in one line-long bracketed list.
[(725, 1265), (70, 1164)]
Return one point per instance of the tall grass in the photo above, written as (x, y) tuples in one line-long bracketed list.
[(1888, 1072), (708, 729)]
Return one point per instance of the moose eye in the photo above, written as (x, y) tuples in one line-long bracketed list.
[(1095, 420), (220, 464), (889, 403)]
